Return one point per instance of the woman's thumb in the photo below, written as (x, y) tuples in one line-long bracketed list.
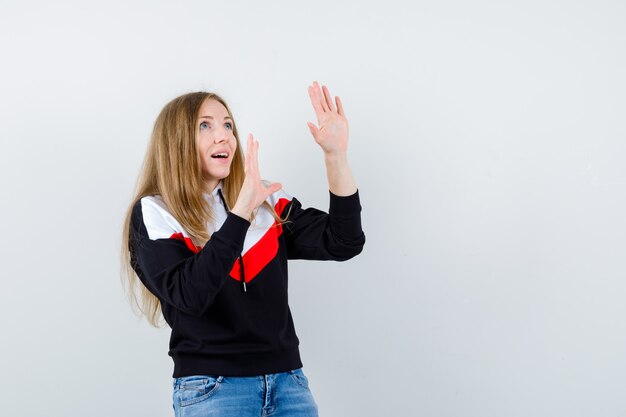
[(312, 128), (275, 187)]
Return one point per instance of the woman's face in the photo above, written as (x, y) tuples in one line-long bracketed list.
[(216, 142)]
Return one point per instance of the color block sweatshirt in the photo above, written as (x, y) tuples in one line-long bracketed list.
[(227, 302)]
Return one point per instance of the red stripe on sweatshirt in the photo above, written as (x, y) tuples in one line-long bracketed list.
[(188, 242), (262, 253)]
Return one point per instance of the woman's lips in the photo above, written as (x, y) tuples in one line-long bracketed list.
[(221, 155)]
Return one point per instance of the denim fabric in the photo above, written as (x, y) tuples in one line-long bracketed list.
[(283, 394)]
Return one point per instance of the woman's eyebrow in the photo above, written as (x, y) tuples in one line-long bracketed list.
[(211, 117)]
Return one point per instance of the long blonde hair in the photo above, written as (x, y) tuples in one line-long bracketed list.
[(167, 171)]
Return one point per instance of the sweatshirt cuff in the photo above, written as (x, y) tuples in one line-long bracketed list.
[(344, 206), (234, 229)]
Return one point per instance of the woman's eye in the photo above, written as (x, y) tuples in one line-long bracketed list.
[(204, 125), (230, 126)]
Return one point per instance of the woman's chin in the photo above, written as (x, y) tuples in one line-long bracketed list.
[(218, 174)]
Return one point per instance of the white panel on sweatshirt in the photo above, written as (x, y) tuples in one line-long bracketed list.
[(161, 224)]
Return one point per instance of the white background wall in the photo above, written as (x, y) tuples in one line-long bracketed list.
[(488, 143)]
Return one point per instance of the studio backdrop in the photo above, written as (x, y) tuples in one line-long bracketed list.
[(488, 143)]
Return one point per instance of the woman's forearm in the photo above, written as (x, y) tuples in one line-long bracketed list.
[(340, 179)]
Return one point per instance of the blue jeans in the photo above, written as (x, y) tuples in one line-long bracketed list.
[(283, 394)]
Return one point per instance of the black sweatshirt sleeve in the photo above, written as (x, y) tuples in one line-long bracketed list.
[(314, 234), (177, 276)]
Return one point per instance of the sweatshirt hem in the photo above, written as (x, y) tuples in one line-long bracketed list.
[(241, 364)]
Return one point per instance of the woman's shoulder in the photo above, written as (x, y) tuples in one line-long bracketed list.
[(156, 217), (152, 205), (152, 201)]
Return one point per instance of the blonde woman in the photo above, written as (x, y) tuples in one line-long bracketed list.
[(209, 242)]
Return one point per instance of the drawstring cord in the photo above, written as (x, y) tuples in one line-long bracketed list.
[(243, 277)]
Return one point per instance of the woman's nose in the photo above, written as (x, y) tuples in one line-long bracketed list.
[(221, 137)]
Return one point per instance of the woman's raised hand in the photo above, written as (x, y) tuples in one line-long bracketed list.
[(332, 133), (332, 136), (253, 191)]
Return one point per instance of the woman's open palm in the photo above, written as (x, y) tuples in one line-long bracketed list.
[(332, 132), (253, 191)]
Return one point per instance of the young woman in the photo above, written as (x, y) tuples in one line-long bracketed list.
[(209, 242)]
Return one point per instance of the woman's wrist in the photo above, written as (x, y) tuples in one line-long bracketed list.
[(336, 159), (242, 212), (340, 179)]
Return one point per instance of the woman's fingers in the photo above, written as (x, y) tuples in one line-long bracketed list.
[(269, 189), (317, 106), (249, 145), (252, 156), (253, 192), (318, 99), (322, 100), (320, 96), (253, 177), (255, 157), (340, 107), (329, 99), (251, 152)]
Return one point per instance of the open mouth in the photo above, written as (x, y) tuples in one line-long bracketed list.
[(220, 155)]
